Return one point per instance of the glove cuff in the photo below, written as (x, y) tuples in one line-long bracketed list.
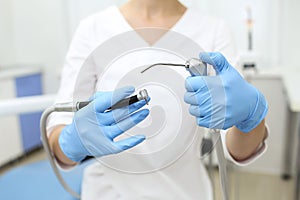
[(70, 144), (257, 116)]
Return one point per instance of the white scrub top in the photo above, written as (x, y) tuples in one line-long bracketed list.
[(166, 165)]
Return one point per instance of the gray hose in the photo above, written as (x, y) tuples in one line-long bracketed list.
[(222, 163), (48, 151)]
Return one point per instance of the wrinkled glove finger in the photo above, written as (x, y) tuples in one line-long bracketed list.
[(104, 100), (198, 98), (130, 142), (195, 110), (128, 123), (191, 98), (216, 59), (117, 115), (195, 83), (201, 111), (204, 121)]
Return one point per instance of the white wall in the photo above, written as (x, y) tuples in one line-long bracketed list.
[(40, 34), (289, 26), (6, 30), (35, 32), (266, 28)]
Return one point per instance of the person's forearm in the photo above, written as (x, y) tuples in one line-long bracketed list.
[(54, 145), (242, 145)]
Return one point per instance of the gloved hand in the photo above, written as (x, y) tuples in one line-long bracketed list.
[(224, 100), (93, 129)]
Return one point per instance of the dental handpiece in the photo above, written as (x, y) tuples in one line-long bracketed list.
[(194, 66), (73, 107), (198, 68)]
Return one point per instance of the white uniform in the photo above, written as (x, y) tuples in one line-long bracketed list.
[(167, 165)]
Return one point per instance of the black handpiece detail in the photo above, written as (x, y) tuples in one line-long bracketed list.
[(125, 102), (82, 104)]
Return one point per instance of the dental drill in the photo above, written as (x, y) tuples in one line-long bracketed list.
[(198, 68), (74, 107)]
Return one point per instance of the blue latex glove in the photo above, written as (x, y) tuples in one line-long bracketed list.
[(93, 130), (224, 100)]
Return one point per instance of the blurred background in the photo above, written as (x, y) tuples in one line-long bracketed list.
[(34, 39)]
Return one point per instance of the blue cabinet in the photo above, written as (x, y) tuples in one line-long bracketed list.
[(29, 85)]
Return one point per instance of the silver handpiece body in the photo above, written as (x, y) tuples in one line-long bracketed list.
[(196, 67), (73, 107)]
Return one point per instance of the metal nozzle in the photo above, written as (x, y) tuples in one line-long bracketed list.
[(164, 64), (194, 65)]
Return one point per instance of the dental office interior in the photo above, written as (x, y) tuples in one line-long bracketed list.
[(35, 37)]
